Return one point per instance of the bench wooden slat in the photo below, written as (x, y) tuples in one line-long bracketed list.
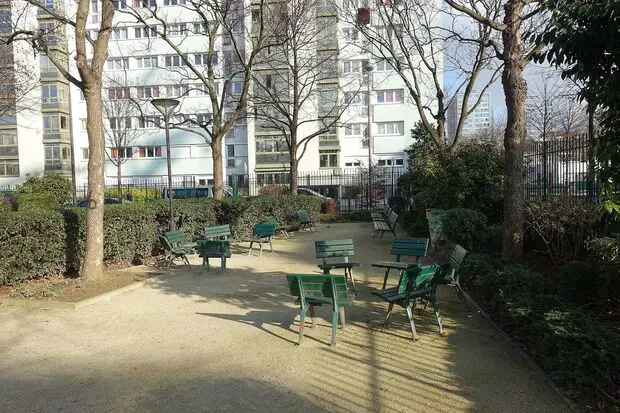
[(217, 231)]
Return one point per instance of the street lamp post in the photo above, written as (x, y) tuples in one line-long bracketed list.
[(166, 107), (368, 70)]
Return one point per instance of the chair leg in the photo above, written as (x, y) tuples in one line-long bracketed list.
[(250, 249), (385, 278), (387, 316), (343, 321), (270, 244), (312, 315), (334, 325), (410, 316), (205, 262), (436, 311), (260, 249), (223, 263), (302, 317), (350, 274)]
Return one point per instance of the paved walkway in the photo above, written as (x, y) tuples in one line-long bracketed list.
[(223, 341)]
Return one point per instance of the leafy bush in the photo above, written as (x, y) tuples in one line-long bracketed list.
[(8, 203), (583, 283), (471, 178), (137, 194), (414, 223), (464, 226), (53, 185), (358, 216), (560, 228), (274, 189), (605, 250), (38, 201), (398, 204), (491, 238), (33, 245)]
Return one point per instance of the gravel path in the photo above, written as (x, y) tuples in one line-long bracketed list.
[(223, 341)]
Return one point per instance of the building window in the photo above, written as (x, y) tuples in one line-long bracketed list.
[(115, 93), (118, 64), (146, 62), (202, 59), (230, 163), (119, 4), (53, 94), (85, 153), (398, 162), (121, 153), (149, 152), (147, 92), (120, 33), (173, 61), (351, 34), (384, 65), (236, 88), (120, 123), (230, 149), (83, 124), (200, 28), (352, 66), (390, 128), (328, 159), (355, 130), (353, 164), (9, 167), (173, 2), (390, 96), (52, 123), (52, 153), (144, 32), (177, 29), (271, 144)]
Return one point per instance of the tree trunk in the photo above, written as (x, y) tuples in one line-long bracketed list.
[(294, 163), (515, 92), (93, 250), (218, 178), (119, 174)]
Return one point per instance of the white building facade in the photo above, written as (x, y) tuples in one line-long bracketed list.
[(479, 120), (143, 66)]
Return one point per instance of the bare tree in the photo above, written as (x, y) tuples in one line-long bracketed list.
[(515, 54), (120, 130), (412, 36), (296, 80), (542, 108), (224, 69), (89, 80), (18, 80)]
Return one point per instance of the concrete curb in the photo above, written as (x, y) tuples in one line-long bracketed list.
[(522, 353), (65, 305)]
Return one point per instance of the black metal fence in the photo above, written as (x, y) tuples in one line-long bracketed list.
[(559, 166)]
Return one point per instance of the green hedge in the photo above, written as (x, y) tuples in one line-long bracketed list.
[(40, 243), (33, 244)]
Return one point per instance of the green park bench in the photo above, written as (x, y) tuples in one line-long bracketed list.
[(336, 249), (415, 284), (215, 245), (176, 246), (411, 247), (451, 271), (279, 228), (263, 233), (382, 215), (382, 226), (314, 290), (305, 221)]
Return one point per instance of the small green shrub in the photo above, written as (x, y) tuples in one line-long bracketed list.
[(40, 201), (33, 245), (329, 218), (356, 216), (491, 238), (415, 224), (587, 282), (605, 250), (8, 203), (464, 226), (54, 185), (274, 189), (137, 194)]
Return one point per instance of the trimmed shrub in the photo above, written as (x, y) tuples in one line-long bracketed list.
[(8, 203), (53, 185), (358, 216), (191, 215), (40, 201), (274, 189), (415, 224), (33, 245), (137, 194), (464, 226), (582, 283)]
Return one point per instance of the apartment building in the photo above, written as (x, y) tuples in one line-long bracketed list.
[(142, 66), (479, 120)]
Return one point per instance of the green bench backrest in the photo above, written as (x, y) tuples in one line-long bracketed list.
[(417, 278), (174, 238), (455, 261), (218, 231), (334, 248), (271, 220), (392, 218), (318, 286), (387, 210), (303, 216), (264, 230), (412, 247)]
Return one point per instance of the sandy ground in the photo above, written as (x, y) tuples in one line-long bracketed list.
[(223, 341)]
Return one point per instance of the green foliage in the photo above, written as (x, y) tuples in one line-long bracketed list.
[(274, 189), (583, 40), (464, 226), (137, 194), (191, 215), (559, 229), (358, 216), (51, 185), (33, 245), (8, 203), (414, 223), (570, 346), (38, 201), (605, 250), (472, 177), (588, 282)]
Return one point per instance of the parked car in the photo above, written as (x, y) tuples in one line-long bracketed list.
[(310, 192), (106, 201), (198, 192)]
